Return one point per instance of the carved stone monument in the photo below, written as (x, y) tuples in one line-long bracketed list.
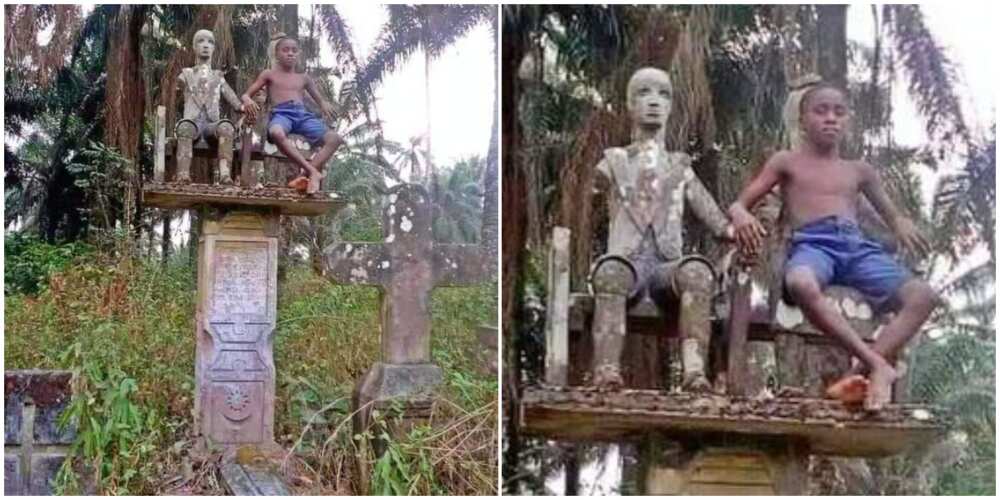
[(406, 266), (237, 259), (34, 445), (649, 189), (202, 126), (693, 442), (237, 307)]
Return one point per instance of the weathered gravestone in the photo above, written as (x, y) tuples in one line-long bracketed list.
[(34, 446), (237, 258), (237, 307), (406, 266)]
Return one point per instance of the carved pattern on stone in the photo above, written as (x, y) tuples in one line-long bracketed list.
[(240, 284), (234, 363), (240, 404)]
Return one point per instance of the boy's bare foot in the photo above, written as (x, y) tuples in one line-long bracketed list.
[(314, 181), (880, 388), (851, 389), (313, 184), (299, 184)]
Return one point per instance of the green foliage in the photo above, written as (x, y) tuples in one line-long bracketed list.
[(138, 320), (102, 173), (116, 436), (459, 201), (29, 262), (405, 467)]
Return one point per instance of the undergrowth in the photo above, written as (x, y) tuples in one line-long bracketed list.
[(127, 332)]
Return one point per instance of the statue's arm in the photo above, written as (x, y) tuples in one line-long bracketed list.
[(179, 85), (605, 180), (705, 207), (602, 180), (230, 96)]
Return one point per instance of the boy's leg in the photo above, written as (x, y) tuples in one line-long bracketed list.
[(917, 300), (280, 139), (331, 142), (804, 287)]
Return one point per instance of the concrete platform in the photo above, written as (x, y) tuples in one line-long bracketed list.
[(287, 200), (828, 427)]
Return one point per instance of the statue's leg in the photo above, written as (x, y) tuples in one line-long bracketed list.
[(226, 132), (612, 281), (186, 132), (694, 284)]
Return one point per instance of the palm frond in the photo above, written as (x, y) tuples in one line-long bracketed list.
[(931, 73)]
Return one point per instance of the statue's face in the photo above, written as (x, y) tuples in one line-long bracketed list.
[(204, 44), (650, 96)]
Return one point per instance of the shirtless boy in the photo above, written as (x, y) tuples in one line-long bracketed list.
[(289, 116), (820, 192)]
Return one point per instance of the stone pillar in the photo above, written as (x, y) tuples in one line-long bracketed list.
[(235, 321), (773, 469)]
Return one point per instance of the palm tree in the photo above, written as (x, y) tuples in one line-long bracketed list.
[(430, 28), (459, 207)]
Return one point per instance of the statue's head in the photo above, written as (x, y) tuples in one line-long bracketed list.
[(203, 44), (650, 95)]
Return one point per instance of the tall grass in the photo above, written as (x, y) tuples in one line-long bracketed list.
[(135, 323)]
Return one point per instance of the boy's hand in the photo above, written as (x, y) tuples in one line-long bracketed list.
[(750, 233), (330, 113), (250, 108), (911, 239)]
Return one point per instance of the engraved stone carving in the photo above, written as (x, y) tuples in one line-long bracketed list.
[(237, 304), (406, 266)]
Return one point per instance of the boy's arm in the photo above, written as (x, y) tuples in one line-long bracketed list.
[(749, 232), (903, 227), (249, 106), (313, 91)]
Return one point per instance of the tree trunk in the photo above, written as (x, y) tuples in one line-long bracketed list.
[(513, 242), (289, 21), (124, 102), (831, 51), (489, 229), (166, 242), (571, 461)]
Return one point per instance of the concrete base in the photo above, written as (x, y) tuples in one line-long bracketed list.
[(249, 481), (387, 386), (723, 470), (237, 297)]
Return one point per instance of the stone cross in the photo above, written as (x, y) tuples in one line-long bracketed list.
[(406, 266)]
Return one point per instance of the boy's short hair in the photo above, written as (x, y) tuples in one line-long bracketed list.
[(277, 43), (812, 89)]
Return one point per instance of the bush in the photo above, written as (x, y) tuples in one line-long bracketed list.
[(29, 261)]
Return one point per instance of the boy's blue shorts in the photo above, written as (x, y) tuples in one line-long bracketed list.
[(294, 118), (837, 253)]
